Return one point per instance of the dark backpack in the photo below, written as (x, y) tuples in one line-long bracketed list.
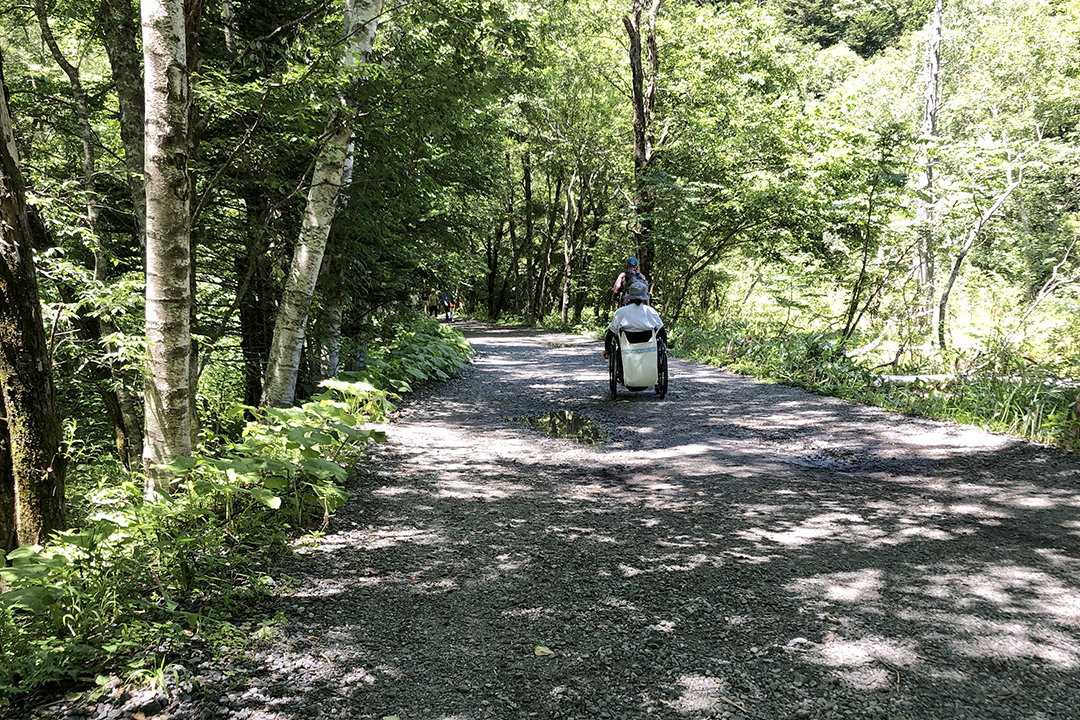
[(629, 278)]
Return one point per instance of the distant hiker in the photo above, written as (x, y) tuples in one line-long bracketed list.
[(628, 277), (433, 303), (448, 306)]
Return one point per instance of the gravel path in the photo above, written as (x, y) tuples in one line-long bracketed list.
[(736, 550)]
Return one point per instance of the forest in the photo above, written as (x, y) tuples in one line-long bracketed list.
[(220, 218)]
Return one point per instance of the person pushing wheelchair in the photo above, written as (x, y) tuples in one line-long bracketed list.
[(635, 316)]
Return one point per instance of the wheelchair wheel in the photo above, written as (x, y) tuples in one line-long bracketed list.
[(661, 361), (613, 371)]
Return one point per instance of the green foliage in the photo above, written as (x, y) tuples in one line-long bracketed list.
[(866, 26), (289, 457), (141, 573), (810, 360), (414, 350), (123, 582), (1013, 396)]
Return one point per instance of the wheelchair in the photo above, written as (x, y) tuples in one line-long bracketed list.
[(639, 361)]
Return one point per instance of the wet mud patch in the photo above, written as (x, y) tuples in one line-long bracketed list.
[(566, 425)]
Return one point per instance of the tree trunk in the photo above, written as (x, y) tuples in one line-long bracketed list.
[(511, 269), (492, 248), (31, 433), (279, 387), (923, 269), (8, 533), (227, 15), (571, 218), (546, 252), (527, 242), (969, 243), (255, 307), (168, 236), (117, 18), (643, 94)]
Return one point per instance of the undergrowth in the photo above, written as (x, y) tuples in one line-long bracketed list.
[(1011, 395), (140, 578)]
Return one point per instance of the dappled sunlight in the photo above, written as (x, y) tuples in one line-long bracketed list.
[(652, 492), (831, 526), (847, 587), (987, 639), (358, 676), (533, 613), (795, 415), (472, 490), (842, 652), (618, 604), (511, 562), (727, 529), (940, 439), (393, 490), (669, 563), (1010, 588), (435, 587), (1021, 495), (1015, 642), (867, 678), (582, 533), (378, 539), (1034, 617), (699, 694)]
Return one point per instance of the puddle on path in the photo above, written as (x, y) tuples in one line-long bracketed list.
[(566, 425)]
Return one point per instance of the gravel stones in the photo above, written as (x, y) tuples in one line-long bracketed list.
[(736, 550)]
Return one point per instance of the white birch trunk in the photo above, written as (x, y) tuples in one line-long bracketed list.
[(168, 232), (279, 385), (334, 316), (923, 264), (227, 15)]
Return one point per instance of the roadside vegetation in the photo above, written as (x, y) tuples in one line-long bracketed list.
[(1011, 395), (138, 582)]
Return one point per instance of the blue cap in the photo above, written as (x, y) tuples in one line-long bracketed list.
[(632, 262)]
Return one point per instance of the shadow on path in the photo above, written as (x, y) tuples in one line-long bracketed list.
[(735, 550)]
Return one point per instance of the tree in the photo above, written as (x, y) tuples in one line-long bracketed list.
[(168, 235), (923, 268), (32, 465), (108, 376), (360, 24), (732, 176), (643, 74)]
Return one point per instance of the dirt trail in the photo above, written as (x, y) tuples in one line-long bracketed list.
[(734, 550)]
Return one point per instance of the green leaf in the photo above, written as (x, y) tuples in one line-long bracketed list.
[(266, 497), (181, 466), (34, 599)]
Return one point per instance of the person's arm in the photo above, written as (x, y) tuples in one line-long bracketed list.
[(617, 289)]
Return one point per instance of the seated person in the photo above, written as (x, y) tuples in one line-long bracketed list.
[(635, 316)]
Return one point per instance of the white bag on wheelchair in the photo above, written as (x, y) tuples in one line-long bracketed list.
[(639, 360)]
